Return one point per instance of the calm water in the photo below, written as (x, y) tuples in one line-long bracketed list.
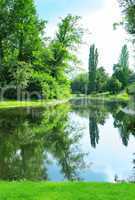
[(77, 141)]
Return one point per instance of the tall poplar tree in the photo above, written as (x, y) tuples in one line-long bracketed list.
[(124, 57), (93, 62), (121, 70)]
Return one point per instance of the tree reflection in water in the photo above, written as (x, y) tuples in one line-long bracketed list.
[(98, 114), (27, 137), (126, 125)]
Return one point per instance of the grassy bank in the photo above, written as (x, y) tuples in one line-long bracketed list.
[(100, 96), (12, 104), (106, 97), (112, 97), (66, 191)]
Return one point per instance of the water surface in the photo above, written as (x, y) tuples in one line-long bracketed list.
[(88, 141)]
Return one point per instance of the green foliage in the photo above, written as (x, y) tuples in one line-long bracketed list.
[(80, 84), (122, 76), (6, 7), (124, 57), (93, 62), (62, 49), (21, 72), (114, 85), (47, 87), (29, 61), (28, 28), (131, 89), (128, 7), (131, 19), (121, 70), (101, 80), (69, 32)]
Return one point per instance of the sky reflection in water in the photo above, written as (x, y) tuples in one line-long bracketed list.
[(67, 142)]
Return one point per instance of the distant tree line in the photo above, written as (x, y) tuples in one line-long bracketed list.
[(97, 80)]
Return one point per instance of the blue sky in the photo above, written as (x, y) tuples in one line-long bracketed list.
[(50, 9), (98, 17)]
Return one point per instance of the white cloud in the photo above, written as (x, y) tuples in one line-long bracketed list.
[(100, 25), (108, 41)]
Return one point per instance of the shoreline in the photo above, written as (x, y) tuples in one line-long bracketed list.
[(53, 102), (40, 103), (105, 97)]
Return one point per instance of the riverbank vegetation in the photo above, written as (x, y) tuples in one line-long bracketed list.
[(36, 103), (29, 61), (96, 80), (67, 191), (33, 66)]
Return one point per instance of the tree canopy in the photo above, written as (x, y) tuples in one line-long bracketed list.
[(27, 59)]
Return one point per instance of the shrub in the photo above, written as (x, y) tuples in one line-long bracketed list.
[(114, 85)]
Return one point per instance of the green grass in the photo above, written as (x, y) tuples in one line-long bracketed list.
[(12, 104), (123, 96), (99, 96), (66, 191)]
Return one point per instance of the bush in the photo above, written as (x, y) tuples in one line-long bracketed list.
[(80, 84), (47, 87), (114, 85)]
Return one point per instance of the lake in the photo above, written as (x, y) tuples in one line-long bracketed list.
[(80, 140)]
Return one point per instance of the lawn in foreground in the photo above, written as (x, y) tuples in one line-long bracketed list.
[(66, 191)]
